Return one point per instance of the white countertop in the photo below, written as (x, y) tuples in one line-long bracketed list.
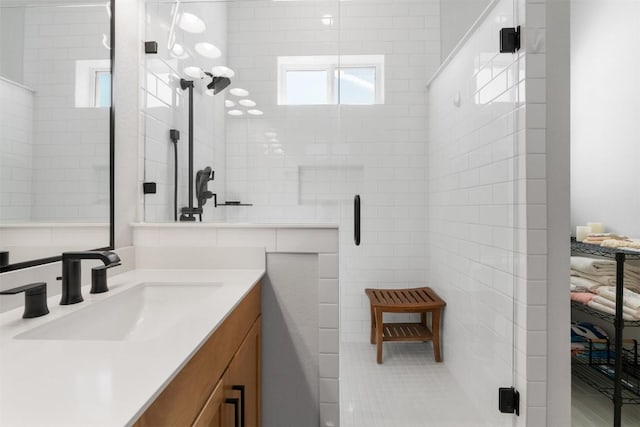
[(104, 383)]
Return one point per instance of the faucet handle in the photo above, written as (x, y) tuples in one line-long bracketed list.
[(35, 299), (99, 278)]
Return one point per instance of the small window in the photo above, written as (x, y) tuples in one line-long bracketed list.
[(102, 92), (356, 86), (306, 87), (93, 83), (315, 80)]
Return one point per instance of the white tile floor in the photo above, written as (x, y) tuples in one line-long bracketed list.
[(408, 389), (410, 385)]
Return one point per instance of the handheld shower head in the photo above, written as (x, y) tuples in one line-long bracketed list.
[(218, 83)]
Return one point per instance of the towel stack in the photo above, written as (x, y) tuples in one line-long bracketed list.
[(598, 238), (612, 240), (597, 278), (605, 301), (594, 273)]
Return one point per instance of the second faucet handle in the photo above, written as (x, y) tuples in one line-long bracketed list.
[(99, 278)]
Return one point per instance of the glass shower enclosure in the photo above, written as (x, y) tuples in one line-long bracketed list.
[(328, 100)]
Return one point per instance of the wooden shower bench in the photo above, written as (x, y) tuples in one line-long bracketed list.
[(415, 300)]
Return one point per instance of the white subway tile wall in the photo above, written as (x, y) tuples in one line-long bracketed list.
[(165, 107), (305, 163), (16, 151), (70, 144), (487, 211)]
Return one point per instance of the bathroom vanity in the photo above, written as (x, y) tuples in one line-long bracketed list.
[(162, 347), (221, 382)]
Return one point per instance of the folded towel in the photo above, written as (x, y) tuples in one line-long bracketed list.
[(582, 283), (606, 236), (627, 244), (632, 265), (583, 297), (593, 266), (629, 298), (611, 304), (608, 310), (583, 331), (631, 281)]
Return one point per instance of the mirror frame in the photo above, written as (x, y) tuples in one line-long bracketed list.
[(112, 119)]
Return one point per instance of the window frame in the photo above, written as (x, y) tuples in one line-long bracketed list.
[(331, 64)]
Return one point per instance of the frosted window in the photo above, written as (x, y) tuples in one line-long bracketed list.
[(356, 86), (307, 87), (331, 79), (103, 89)]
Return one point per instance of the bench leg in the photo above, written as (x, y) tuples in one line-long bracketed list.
[(435, 318), (379, 334), (372, 339)]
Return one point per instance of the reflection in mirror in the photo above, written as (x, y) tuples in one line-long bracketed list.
[(55, 127)]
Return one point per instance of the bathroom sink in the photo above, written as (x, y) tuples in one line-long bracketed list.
[(137, 314)]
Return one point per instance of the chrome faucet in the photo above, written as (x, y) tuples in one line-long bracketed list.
[(72, 273)]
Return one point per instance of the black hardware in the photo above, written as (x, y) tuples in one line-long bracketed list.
[(35, 299), (71, 274), (242, 407), (99, 280), (4, 258), (356, 219), (218, 83), (510, 40), (509, 400), (236, 416), (203, 177), (188, 212), (151, 47), (149, 187), (234, 203), (174, 136), (619, 325)]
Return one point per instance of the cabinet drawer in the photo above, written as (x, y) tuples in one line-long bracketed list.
[(182, 400), (211, 414)]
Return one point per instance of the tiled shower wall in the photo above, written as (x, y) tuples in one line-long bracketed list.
[(487, 214), (165, 107), (16, 150), (306, 163), (70, 144)]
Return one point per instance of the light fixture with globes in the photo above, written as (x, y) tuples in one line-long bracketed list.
[(208, 50)]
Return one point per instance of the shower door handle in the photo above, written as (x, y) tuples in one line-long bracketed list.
[(356, 219)]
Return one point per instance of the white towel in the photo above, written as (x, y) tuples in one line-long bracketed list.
[(630, 299), (583, 283), (611, 304), (593, 266), (605, 309)]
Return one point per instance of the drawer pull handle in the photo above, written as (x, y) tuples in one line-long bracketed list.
[(356, 219), (236, 415), (242, 407)]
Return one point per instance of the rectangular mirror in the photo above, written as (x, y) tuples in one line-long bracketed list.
[(56, 129)]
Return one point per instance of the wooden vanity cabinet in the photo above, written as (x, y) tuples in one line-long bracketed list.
[(240, 383), (224, 370)]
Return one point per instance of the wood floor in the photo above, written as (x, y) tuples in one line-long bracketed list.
[(589, 408)]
